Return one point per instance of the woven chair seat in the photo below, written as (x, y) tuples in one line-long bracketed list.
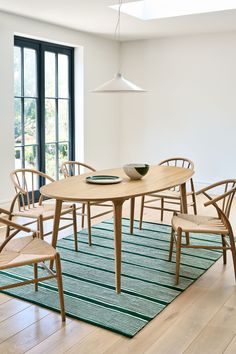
[(25, 250), (198, 223), (46, 210)]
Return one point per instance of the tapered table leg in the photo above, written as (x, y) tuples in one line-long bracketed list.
[(132, 206), (184, 206), (56, 225), (117, 241)]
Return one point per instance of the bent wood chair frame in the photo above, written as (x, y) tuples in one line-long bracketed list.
[(174, 199), (24, 181), (16, 228), (74, 168), (221, 226)]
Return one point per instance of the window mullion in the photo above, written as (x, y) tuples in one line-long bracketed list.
[(57, 120), (23, 106), (41, 110), (71, 137)]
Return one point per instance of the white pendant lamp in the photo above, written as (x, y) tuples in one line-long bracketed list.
[(118, 83)]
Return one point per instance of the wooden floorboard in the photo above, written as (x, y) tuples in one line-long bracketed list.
[(99, 342), (10, 308), (32, 335), (19, 321), (65, 338), (201, 320), (222, 327)]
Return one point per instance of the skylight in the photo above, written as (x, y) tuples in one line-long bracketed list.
[(156, 9)]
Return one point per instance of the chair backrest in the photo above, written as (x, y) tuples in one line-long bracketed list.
[(26, 185), (222, 202), (75, 168), (14, 225), (179, 162)]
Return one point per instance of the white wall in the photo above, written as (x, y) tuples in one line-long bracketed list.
[(6, 113), (190, 107), (96, 61)]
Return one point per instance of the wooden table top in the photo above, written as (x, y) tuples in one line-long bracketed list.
[(76, 188)]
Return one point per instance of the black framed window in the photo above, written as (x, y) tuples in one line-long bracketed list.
[(44, 105)]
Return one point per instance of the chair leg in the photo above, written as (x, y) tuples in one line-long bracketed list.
[(141, 212), (232, 245), (89, 223), (8, 230), (193, 197), (40, 226), (171, 244), (36, 276), (194, 204), (178, 254), (187, 238), (224, 250), (132, 207), (162, 208), (75, 226), (60, 285), (83, 212)]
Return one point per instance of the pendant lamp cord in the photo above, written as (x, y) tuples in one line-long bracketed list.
[(117, 29)]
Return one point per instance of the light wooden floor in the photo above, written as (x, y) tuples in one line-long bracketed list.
[(202, 320)]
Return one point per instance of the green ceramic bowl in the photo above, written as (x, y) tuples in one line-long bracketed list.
[(136, 170)]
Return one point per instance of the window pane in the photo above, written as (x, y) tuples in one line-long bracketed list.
[(50, 74), (50, 121), (63, 155), (63, 73), (30, 121), (50, 157), (17, 71), (18, 157), (18, 126), (63, 120), (31, 156), (30, 81)]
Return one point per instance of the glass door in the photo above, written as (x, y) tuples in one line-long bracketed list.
[(57, 112), (44, 105)]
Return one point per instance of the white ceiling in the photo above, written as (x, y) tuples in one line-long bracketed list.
[(95, 16)]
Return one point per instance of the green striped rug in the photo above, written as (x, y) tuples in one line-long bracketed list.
[(88, 276)]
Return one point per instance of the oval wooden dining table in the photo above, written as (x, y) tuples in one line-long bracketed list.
[(76, 189)]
